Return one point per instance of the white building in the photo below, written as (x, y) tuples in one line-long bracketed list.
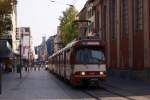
[(24, 34), (8, 22)]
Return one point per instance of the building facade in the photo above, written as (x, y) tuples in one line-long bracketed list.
[(8, 22), (57, 41), (87, 15), (42, 51), (50, 45), (23, 36), (124, 26)]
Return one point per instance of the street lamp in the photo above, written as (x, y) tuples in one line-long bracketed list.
[(20, 67)]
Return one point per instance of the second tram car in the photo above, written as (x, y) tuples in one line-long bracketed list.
[(80, 62)]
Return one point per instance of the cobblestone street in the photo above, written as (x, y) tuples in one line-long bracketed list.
[(41, 85)]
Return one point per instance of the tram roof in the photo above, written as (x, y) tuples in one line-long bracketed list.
[(71, 44)]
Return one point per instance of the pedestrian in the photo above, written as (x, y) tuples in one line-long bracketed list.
[(34, 68), (26, 68), (13, 68), (39, 67), (19, 67)]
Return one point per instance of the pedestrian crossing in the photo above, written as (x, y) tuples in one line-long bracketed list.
[(33, 69)]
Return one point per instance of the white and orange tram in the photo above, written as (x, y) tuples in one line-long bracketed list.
[(80, 62)]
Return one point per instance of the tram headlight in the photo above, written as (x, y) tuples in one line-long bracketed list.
[(101, 73), (82, 73)]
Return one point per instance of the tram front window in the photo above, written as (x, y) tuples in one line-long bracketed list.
[(89, 56)]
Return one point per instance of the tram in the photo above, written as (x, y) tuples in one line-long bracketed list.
[(81, 62)]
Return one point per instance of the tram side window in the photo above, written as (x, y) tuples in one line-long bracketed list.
[(54, 60), (51, 61), (64, 58), (67, 56), (61, 59)]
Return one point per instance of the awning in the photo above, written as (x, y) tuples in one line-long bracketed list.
[(5, 49)]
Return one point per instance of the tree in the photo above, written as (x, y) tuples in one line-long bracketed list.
[(68, 28)]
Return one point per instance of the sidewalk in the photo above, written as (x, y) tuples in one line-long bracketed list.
[(128, 87), (42, 85), (11, 81), (34, 85)]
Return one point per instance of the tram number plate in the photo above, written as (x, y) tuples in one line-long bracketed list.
[(94, 79)]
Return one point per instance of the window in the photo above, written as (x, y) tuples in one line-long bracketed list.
[(90, 12), (113, 17), (125, 18), (97, 20), (27, 30), (138, 15), (104, 23), (17, 35), (86, 55), (90, 27)]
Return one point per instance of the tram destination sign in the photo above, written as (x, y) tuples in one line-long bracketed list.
[(90, 43)]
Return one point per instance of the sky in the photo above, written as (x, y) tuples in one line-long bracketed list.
[(42, 16)]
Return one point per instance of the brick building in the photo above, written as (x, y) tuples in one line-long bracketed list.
[(124, 26)]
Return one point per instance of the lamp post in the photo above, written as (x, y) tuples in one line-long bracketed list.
[(29, 52), (20, 62), (20, 67)]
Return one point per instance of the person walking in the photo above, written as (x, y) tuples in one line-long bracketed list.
[(13, 68), (19, 67)]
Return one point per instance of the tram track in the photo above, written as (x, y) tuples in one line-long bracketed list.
[(90, 92), (101, 89), (111, 89), (117, 94)]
